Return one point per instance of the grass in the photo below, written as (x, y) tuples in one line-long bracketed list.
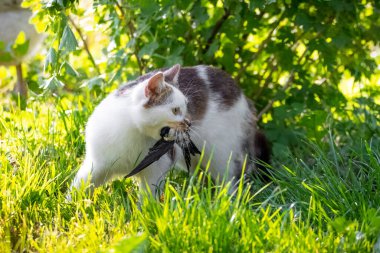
[(319, 201)]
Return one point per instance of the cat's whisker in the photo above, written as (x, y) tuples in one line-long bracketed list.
[(191, 93), (195, 128), (187, 92), (195, 132), (195, 121)]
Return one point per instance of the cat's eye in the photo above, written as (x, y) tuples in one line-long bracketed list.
[(176, 111)]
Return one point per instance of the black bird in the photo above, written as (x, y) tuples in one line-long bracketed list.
[(163, 146)]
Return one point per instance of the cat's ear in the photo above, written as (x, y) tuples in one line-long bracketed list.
[(171, 75), (155, 85)]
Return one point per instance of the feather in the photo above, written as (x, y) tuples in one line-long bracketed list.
[(159, 149), (163, 146)]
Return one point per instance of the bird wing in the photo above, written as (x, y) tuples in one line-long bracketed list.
[(159, 149)]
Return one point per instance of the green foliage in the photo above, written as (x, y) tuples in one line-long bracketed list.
[(68, 41), (15, 49), (289, 56)]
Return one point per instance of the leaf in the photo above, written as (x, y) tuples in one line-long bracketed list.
[(34, 86), (341, 40), (70, 70), (174, 59), (303, 20), (200, 14), (61, 3), (68, 41), (285, 58), (180, 27), (148, 8), (51, 83), (228, 58), (21, 45), (148, 49), (116, 76), (5, 56), (213, 48), (93, 82), (257, 4), (51, 59), (132, 244)]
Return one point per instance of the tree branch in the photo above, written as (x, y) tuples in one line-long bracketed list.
[(272, 68), (120, 8), (85, 45), (288, 83), (291, 76), (216, 29), (260, 49), (20, 88), (132, 31)]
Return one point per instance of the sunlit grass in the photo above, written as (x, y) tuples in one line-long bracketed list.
[(318, 201)]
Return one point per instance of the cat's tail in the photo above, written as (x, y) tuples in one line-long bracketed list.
[(263, 153)]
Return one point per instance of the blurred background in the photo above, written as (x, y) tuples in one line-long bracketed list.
[(311, 67)]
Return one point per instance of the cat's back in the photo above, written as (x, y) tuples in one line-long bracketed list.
[(204, 85)]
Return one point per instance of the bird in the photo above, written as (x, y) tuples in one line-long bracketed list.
[(163, 146), (13, 20)]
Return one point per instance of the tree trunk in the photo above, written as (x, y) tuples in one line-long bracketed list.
[(20, 88)]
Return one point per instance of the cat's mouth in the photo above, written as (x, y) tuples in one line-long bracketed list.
[(177, 130), (182, 126)]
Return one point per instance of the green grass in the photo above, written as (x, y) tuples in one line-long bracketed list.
[(321, 200)]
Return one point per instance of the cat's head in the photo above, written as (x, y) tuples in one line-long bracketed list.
[(160, 103)]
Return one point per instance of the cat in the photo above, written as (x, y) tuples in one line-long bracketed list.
[(127, 123)]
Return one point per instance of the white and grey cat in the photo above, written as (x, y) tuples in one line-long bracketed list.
[(127, 123)]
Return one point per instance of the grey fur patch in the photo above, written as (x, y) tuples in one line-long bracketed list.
[(223, 86), (125, 87), (196, 91), (238, 169), (161, 98)]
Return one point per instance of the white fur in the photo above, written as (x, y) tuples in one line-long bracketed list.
[(202, 73), (221, 131), (120, 131)]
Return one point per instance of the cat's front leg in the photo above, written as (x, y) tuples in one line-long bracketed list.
[(90, 175)]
